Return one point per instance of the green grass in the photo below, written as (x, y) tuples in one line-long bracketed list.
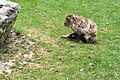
[(62, 59)]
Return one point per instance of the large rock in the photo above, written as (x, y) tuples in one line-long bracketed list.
[(8, 14)]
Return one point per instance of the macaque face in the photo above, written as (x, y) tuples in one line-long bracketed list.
[(69, 20)]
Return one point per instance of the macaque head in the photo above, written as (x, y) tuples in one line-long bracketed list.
[(69, 20)]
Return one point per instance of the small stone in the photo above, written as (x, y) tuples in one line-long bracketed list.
[(89, 56), (23, 37), (56, 71), (81, 69), (72, 46), (107, 23), (10, 46), (8, 71), (29, 56), (52, 68), (91, 64), (24, 62), (29, 35), (93, 72)]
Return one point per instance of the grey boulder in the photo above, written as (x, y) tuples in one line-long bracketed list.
[(8, 14)]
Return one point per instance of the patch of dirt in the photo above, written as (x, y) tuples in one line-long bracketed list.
[(26, 49), (14, 41)]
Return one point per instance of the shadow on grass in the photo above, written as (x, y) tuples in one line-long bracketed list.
[(79, 41)]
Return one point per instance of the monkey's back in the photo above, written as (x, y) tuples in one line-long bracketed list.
[(85, 27)]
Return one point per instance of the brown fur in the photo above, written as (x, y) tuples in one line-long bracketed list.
[(84, 29)]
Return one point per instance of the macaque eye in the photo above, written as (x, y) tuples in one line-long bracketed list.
[(67, 19)]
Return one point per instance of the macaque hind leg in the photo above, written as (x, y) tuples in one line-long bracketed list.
[(84, 38), (87, 39)]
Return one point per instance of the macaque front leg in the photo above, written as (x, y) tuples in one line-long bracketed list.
[(71, 36)]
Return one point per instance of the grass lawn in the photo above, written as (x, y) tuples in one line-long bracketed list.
[(64, 59)]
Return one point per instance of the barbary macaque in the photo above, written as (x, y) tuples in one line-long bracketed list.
[(84, 29)]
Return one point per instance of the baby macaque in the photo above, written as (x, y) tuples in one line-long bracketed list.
[(84, 29)]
